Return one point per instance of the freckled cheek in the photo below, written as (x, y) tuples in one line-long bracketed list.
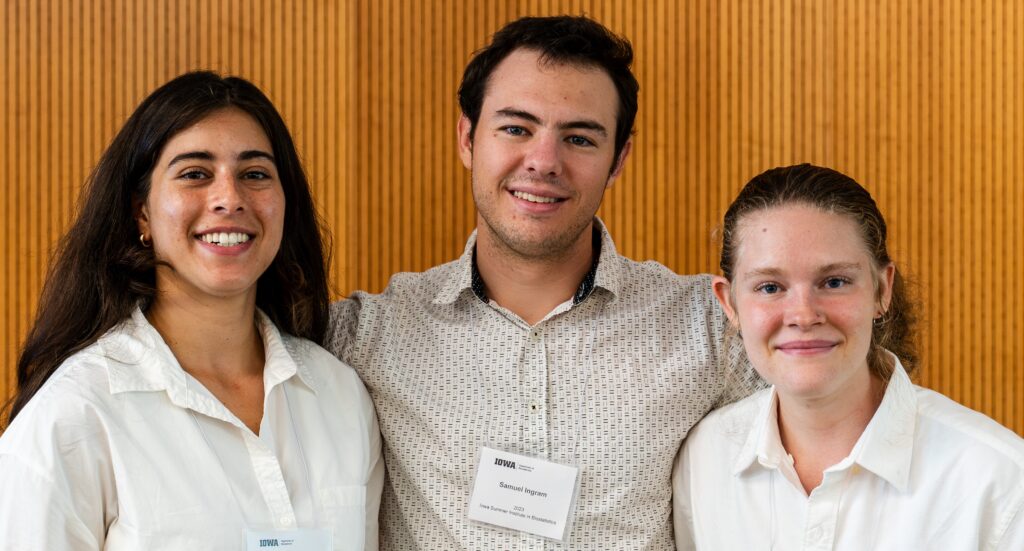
[(171, 217), (760, 322)]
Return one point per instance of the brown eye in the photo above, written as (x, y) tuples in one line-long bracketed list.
[(194, 174), (256, 175)]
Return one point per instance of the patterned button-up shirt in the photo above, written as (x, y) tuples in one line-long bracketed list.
[(611, 383)]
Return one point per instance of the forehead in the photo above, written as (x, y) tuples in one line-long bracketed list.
[(527, 81), (797, 237), (227, 130)]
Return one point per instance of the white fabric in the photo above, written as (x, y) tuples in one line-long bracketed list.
[(926, 474), (110, 455)]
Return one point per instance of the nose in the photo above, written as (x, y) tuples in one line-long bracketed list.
[(543, 158), (226, 197), (803, 310)]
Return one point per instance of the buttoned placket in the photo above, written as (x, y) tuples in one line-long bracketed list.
[(265, 464), (534, 392), (271, 481), (822, 510)]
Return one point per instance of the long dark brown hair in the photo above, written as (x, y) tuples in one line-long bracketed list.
[(100, 272), (836, 193)]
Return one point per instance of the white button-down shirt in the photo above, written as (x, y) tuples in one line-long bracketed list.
[(926, 474), (122, 450), (610, 381)]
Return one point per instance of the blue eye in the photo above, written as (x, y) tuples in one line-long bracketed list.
[(768, 288), (835, 282), (514, 130), (580, 141)]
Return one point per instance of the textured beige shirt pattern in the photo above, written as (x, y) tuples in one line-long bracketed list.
[(612, 384)]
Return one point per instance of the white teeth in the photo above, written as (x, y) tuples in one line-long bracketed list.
[(224, 239), (533, 198)]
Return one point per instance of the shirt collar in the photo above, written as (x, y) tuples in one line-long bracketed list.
[(885, 448), (140, 360), (763, 444), (605, 272)]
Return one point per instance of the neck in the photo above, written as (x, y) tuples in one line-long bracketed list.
[(214, 339), (822, 432), (532, 287)]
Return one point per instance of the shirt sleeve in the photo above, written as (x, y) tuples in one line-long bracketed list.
[(1013, 538), (375, 482), (682, 511), (341, 335), (36, 513)]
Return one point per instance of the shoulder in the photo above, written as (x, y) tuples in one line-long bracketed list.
[(963, 431), (408, 287), (69, 419), (82, 379), (655, 286), (729, 426), (319, 362), (653, 277)]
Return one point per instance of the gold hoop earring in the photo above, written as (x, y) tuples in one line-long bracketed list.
[(145, 244)]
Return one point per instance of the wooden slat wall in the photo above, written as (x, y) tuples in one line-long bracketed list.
[(920, 101)]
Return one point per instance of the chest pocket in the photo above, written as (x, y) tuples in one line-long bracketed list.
[(345, 512)]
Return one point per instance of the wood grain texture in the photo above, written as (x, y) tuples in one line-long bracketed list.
[(919, 101)]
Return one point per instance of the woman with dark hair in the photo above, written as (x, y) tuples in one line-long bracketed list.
[(843, 451), (172, 393)]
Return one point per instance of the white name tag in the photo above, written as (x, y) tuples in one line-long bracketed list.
[(523, 493), (317, 539)]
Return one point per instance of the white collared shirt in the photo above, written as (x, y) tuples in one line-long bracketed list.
[(122, 450), (926, 474)]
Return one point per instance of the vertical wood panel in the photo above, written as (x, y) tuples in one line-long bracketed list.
[(918, 101)]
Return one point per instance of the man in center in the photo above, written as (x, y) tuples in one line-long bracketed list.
[(540, 340)]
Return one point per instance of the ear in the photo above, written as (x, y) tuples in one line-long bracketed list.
[(620, 163), (465, 132), (885, 281), (723, 292), (141, 213)]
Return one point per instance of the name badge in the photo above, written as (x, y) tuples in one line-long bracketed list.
[(523, 493), (315, 539)]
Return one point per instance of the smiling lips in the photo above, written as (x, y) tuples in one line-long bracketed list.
[(807, 348), (226, 239), (535, 198)]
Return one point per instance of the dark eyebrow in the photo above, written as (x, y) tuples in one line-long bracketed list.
[(201, 155), (255, 154), (207, 156), (585, 124), (518, 114)]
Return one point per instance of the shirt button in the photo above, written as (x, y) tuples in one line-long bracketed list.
[(286, 521)]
